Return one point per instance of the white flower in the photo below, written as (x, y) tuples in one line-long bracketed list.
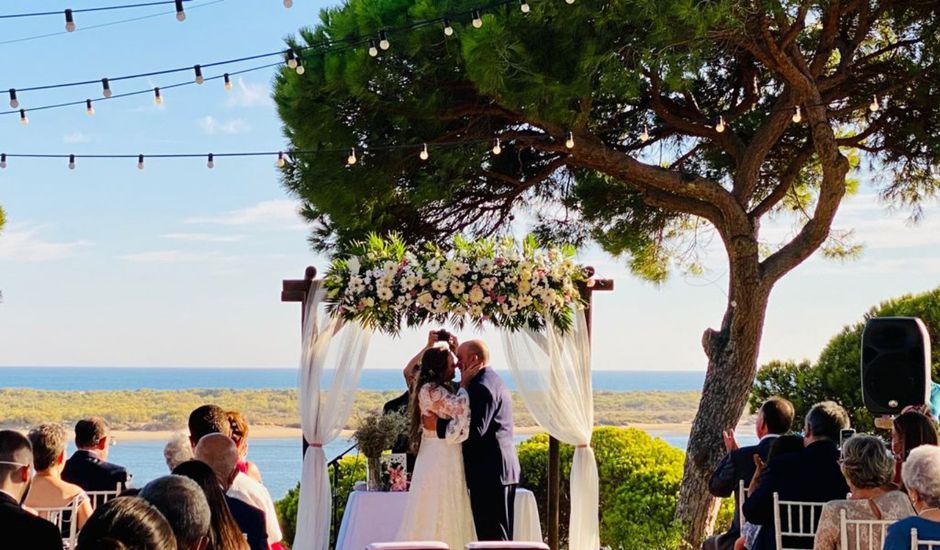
[(353, 265), (390, 267), (409, 282), (434, 265), (525, 301), (400, 300), (488, 284), (476, 294), (458, 269), (524, 287), (485, 265), (439, 285), (368, 302), (424, 300), (385, 294), (459, 310), (387, 280), (476, 311), (457, 287)]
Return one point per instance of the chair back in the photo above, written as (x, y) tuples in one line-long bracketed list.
[(862, 534), (507, 545), (795, 520), (65, 518), (921, 544), (97, 498), (415, 545), (742, 496)]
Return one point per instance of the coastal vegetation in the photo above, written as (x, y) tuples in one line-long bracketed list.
[(153, 410)]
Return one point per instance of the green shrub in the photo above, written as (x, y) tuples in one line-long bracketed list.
[(836, 375)]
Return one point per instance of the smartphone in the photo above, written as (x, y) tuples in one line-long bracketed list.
[(844, 436)]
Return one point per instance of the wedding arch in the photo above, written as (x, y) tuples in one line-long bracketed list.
[(540, 300)]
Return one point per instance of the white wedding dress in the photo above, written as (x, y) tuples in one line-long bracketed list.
[(438, 506)]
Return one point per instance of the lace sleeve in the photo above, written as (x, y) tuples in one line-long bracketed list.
[(455, 407), (828, 533)]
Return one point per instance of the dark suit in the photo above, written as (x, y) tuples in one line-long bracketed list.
[(251, 521), (489, 456), (402, 444), (89, 472), (812, 475), (736, 466), (21, 530)]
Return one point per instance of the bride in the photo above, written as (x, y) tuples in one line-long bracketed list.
[(438, 507)]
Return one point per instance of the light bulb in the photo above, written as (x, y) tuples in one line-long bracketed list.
[(424, 152), (797, 115), (199, 78), (157, 98), (645, 135), (874, 104), (477, 20), (524, 7), (720, 127), (71, 162), (280, 159), (569, 1), (210, 161), (351, 159), (383, 41), (3, 160), (448, 30), (569, 141), (228, 82), (69, 21), (24, 120), (300, 68), (288, 3), (89, 108), (140, 162), (497, 147), (14, 103), (105, 87), (291, 60), (180, 14), (373, 49)]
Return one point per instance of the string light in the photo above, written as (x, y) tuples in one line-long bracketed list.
[(280, 159), (140, 162), (497, 149), (569, 142), (3, 160), (157, 98), (24, 120), (373, 48), (477, 20), (228, 82), (105, 87), (874, 104), (524, 6), (424, 152), (71, 162), (89, 108), (351, 159), (645, 135), (448, 30), (180, 14), (383, 41), (797, 115), (14, 103), (69, 21), (199, 78), (210, 162), (720, 127), (291, 60), (569, 2), (300, 67)]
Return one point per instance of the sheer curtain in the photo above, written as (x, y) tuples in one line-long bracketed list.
[(327, 341), (552, 371)]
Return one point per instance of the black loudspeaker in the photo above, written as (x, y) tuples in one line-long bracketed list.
[(895, 364)]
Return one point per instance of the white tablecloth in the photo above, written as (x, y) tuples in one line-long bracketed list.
[(375, 517)]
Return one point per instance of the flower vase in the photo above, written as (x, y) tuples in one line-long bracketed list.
[(374, 473)]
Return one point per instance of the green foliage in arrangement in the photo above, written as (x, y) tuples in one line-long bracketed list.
[(376, 432), (836, 375)]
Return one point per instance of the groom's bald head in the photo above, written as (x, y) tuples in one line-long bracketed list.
[(473, 352)]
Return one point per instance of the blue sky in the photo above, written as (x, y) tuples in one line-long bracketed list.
[(178, 265)]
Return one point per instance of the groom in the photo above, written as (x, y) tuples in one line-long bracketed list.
[(489, 455)]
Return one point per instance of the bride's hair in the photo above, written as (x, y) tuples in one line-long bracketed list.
[(433, 370)]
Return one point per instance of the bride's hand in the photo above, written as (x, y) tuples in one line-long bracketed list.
[(429, 421), (467, 374)]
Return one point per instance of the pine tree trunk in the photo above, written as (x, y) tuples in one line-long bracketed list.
[(732, 364)]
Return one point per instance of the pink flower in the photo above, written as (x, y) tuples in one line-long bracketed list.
[(500, 261), (500, 299)]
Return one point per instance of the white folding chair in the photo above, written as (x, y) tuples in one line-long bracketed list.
[(98, 498), (802, 519), (742, 496), (416, 545), (867, 534), (507, 545), (65, 518), (920, 544)]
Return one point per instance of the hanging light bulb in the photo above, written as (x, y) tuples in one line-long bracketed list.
[(157, 98), (288, 3), (14, 103), (383, 41), (424, 152), (69, 21), (3, 160), (105, 87), (497, 148), (874, 104), (140, 162), (280, 159), (300, 67), (351, 159), (569, 142), (373, 48), (524, 6), (291, 60), (89, 108), (24, 120), (227, 81), (199, 78), (797, 115), (477, 19), (210, 161), (720, 127), (180, 14), (645, 135), (71, 162), (569, 2), (448, 30)]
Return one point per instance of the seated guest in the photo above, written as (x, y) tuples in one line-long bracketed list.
[(221, 455), (868, 471), (208, 419), (239, 425), (48, 490), (184, 506), (177, 450), (19, 528), (921, 476), (773, 420), (812, 475), (224, 533), (127, 523), (909, 431), (89, 467), (785, 444)]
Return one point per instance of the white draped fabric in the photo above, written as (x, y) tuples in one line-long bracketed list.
[(327, 342), (552, 372)]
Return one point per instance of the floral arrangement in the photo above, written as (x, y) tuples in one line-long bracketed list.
[(377, 432), (382, 283)]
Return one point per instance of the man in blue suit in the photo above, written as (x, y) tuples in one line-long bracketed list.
[(88, 467), (774, 419)]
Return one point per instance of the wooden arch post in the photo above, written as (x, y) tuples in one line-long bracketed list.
[(296, 290)]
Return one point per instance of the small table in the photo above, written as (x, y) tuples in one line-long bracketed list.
[(373, 516)]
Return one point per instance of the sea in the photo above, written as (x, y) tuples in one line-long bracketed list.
[(280, 459)]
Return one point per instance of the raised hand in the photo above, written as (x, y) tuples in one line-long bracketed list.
[(467, 374), (731, 444)]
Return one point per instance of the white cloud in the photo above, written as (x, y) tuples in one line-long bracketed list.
[(273, 212), (177, 256), (204, 237), (76, 137), (23, 243), (250, 95), (210, 125)]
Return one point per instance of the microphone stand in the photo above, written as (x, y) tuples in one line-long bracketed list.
[(334, 525)]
